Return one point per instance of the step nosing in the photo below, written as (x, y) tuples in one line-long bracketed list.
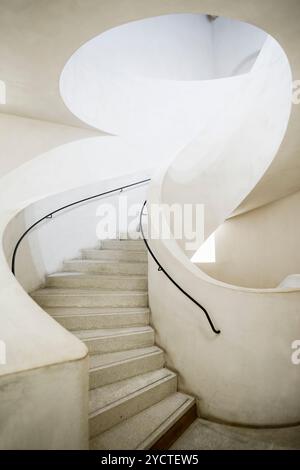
[(111, 250), (110, 277), (55, 291), (130, 395), (84, 315), (165, 421), (96, 314), (122, 361), (102, 261), (121, 335)]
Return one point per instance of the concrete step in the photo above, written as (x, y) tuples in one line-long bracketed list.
[(83, 318), (111, 404), (128, 245), (131, 236), (112, 367), (142, 430), (54, 297), (107, 340), (102, 281), (107, 267), (115, 255)]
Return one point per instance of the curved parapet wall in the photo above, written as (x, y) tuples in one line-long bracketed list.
[(42, 358), (246, 374)]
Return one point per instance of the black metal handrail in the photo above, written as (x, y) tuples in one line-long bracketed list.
[(160, 268), (80, 201)]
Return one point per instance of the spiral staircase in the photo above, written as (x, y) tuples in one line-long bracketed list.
[(139, 343), (102, 298)]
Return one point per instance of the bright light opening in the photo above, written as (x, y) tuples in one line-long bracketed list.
[(207, 251), (2, 92)]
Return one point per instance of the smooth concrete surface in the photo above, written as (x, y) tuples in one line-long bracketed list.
[(245, 374), (45, 408), (34, 137), (206, 435)]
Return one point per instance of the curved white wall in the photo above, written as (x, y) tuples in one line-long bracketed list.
[(23, 139), (244, 375), (220, 172)]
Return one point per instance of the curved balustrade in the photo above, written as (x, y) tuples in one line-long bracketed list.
[(162, 269), (67, 206), (247, 375)]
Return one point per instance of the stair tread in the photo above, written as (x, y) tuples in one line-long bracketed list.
[(112, 394), (104, 265), (122, 381), (89, 311), (110, 250), (145, 428), (111, 276), (123, 240), (107, 332), (103, 261), (122, 244), (108, 359), (55, 291)]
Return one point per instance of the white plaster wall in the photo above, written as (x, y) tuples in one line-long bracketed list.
[(260, 248)]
